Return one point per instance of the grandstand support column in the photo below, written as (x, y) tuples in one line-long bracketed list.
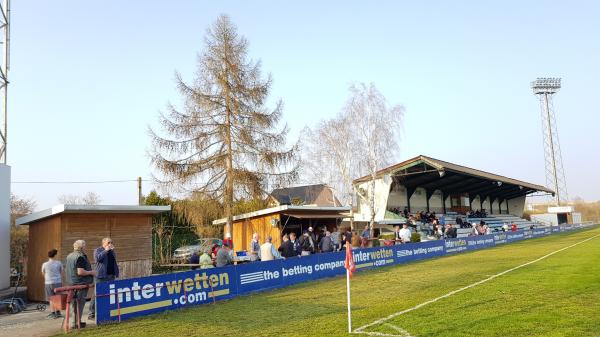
[(427, 197), (481, 202), (507, 209), (409, 192), (443, 201)]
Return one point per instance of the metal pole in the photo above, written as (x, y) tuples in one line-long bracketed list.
[(552, 149), (140, 191)]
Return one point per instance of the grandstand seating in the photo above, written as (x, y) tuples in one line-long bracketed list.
[(494, 221)]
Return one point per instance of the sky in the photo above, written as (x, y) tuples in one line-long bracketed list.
[(88, 79)]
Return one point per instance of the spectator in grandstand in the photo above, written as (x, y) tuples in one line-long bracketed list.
[(335, 238), (78, 271), (326, 244), (451, 232), (205, 260), (52, 271), (364, 237), (475, 229), (224, 256), (267, 251), (254, 247), (513, 227), (531, 227), (107, 268), (487, 229), (296, 244), (307, 244), (287, 247), (405, 233), (459, 222), (405, 212)]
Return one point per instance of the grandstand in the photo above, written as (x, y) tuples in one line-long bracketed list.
[(432, 185), (494, 222)]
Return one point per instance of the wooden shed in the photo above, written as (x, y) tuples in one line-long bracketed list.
[(130, 228), (276, 221)]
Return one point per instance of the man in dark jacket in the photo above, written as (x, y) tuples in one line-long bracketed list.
[(450, 231), (296, 244), (107, 268), (78, 271), (326, 245), (287, 247)]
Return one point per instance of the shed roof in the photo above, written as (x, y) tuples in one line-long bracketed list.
[(81, 209), (295, 211), (318, 194)]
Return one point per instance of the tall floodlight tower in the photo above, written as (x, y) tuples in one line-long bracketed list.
[(545, 88), (4, 169)]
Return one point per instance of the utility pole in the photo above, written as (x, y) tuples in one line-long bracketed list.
[(140, 191)]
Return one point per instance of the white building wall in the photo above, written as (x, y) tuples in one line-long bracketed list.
[(4, 226), (547, 218), (418, 201), (397, 197), (435, 203), (516, 206), (494, 209), (382, 191), (486, 205)]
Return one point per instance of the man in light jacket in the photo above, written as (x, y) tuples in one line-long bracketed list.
[(267, 251)]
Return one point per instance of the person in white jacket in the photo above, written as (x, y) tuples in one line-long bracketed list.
[(267, 251)]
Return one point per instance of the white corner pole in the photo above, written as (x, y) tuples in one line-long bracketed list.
[(348, 295)]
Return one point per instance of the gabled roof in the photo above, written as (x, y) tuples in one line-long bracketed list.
[(58, 209), (431, 173), (317, 195)]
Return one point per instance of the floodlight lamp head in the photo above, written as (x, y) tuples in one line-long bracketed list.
[(545, 85)]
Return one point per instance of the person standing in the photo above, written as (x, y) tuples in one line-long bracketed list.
[(107, 268), (335, 238), (364, 237), (267, 251), (307, 244), (254, 247), (205, 260), (295, 244), (52, 271), (405, 233), (326, 244), (78, 271), (397, 238), (287, 247), (224, 256), (228, 240)]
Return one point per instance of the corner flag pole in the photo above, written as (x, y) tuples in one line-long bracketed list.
[(348, 295), (350, 267)]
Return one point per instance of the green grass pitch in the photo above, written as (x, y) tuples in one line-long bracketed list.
[(557, 296)]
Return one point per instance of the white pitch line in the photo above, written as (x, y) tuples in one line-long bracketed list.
[(379, 321)]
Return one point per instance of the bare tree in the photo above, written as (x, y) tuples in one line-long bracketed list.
[(224, 142), (359, 141), (378, 127), (90, 198), (19, 235)]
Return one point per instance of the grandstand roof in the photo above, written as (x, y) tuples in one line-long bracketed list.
[(434, 174)]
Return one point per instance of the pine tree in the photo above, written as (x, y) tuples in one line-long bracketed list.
[(224, 141)]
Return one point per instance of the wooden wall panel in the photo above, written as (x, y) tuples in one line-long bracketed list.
[(132, 236), (89, 227), (135, 268), (43, 236), (243, 230)]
